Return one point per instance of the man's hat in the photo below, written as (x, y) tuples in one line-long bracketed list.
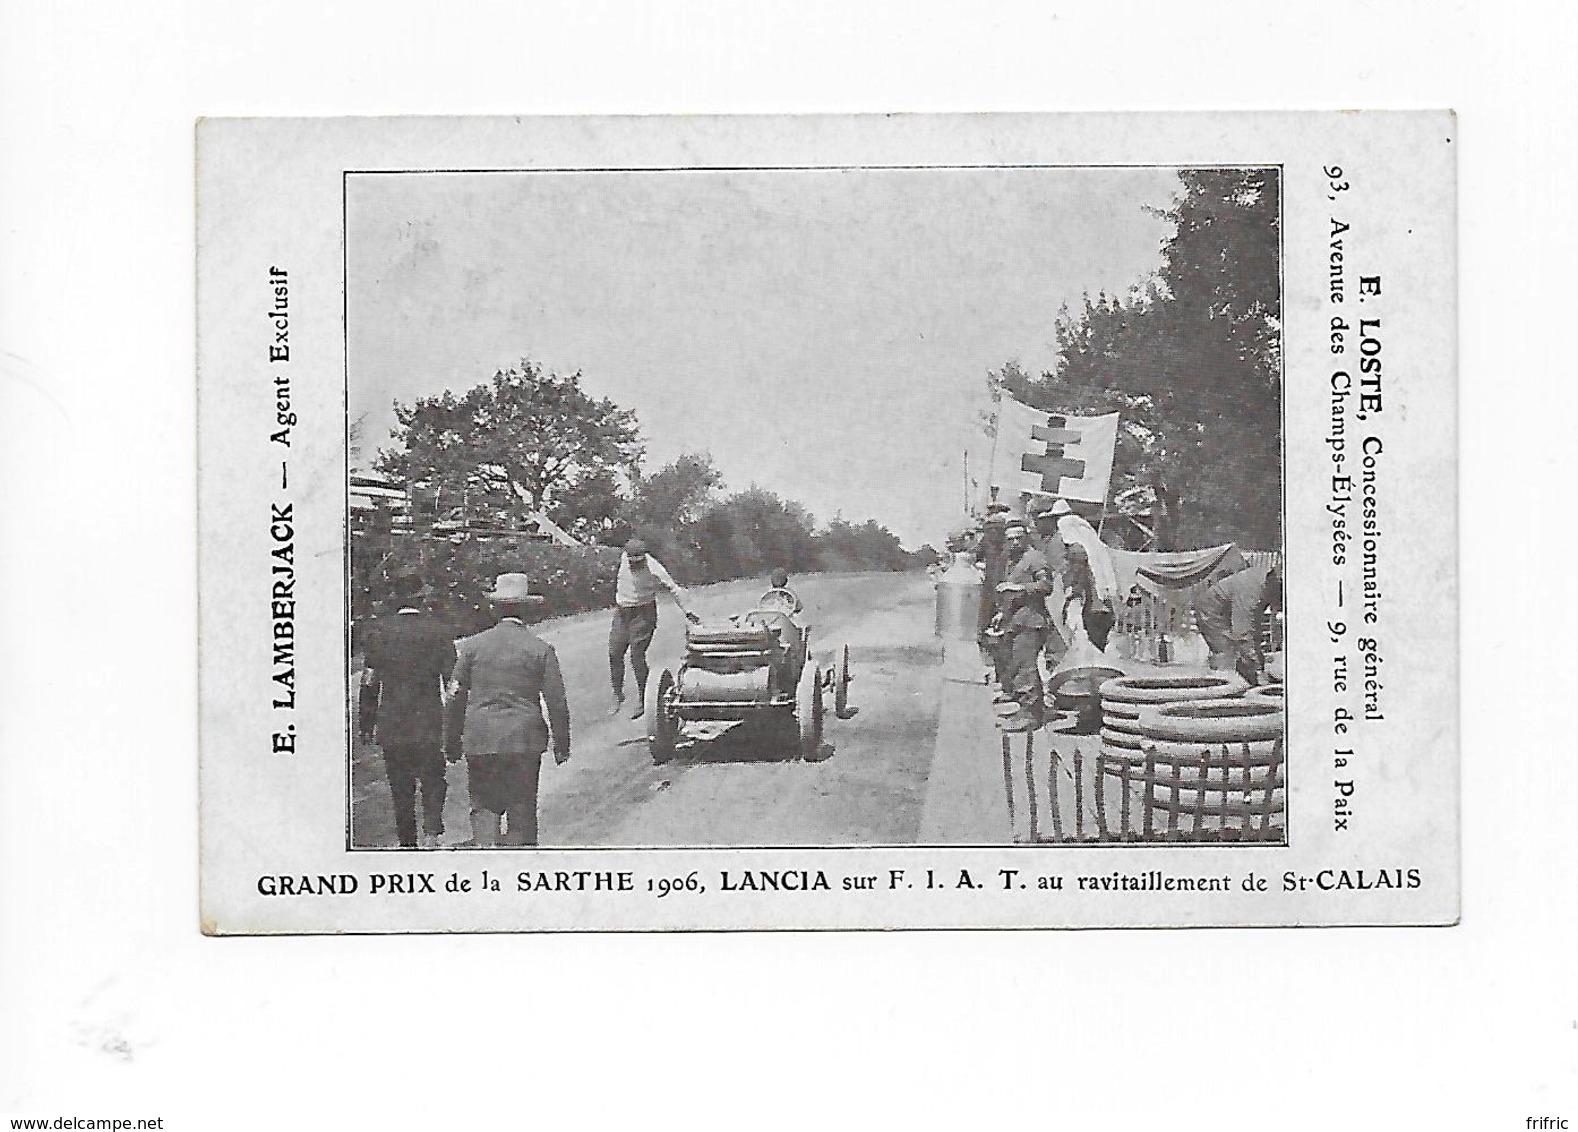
[(1060, 507), (996, 508), (636, 548), (407, 585), (513, 589), (1016, 525)]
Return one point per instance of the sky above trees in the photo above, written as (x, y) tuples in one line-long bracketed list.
[(824, 334)]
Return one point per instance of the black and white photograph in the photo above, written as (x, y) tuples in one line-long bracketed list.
[(827, 522), (824, 506)]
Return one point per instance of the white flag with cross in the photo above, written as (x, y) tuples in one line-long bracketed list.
[(1042, 453)]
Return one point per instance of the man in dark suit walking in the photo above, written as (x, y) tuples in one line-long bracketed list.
[(510, 700), (409, 656)]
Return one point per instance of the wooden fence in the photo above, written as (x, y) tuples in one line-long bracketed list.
[(1226, 793)]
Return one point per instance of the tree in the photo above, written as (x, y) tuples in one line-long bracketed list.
[(675, 495), (589, 506), (846, 546), (1224, 258), (525, 441), (1192, 363), (356, 440)]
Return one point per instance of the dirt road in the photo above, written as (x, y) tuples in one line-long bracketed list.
[(742, 788)]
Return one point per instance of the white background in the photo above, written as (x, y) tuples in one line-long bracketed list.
[(112, 1002)]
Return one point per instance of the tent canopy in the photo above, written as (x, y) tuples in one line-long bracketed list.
[(1172, 569)]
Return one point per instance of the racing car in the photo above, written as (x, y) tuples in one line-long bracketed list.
[(754, 665)]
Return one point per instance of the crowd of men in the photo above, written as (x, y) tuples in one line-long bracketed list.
[(495, 698), (1048, 580)]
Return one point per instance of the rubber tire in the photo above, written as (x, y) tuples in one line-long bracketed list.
[(1129, 757), (1176, 722), (1121, 739), (808, 712), (1123, 689), (841, 687), (1121, 709), (662, 734), (1270, 693), (1168, 748)]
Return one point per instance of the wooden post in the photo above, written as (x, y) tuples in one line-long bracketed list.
[(1123, 777), (1150, 788), (1079, 794), (1030, 783), (1172, 810), (1008, 783), (1057, 815), (1102, 763)]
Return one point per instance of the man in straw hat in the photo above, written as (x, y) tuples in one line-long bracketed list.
[(408, 657), (635, 619), (1043, 511), (506, 679)]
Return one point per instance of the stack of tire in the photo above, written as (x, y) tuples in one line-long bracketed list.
[(1126, 701)]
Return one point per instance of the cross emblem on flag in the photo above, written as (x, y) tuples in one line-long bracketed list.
[(1052, 466)]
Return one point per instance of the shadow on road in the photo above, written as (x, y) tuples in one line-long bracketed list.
[(751, 741)]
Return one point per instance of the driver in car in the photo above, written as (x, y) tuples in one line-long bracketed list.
[(780, 581)]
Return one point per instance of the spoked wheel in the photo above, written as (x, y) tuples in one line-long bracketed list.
[(808, 712), (661, 723)]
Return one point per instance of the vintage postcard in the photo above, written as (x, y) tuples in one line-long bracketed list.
[(875, 522)]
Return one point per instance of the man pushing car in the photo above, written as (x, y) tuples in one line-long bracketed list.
[(635, 619)]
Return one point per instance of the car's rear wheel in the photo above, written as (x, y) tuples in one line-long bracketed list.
[(808, 712), (661, 723)]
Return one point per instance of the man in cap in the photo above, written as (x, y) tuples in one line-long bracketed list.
[(408, 658), (1022, 611), (635, 619), (991, 556), (507, 679)]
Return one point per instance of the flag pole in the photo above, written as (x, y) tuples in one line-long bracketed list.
[(997, 428)]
